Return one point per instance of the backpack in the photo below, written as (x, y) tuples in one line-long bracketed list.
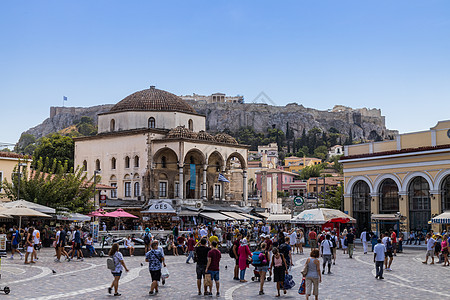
[(388, 245), (110, 263), (263, 259), (333, 241), (255, 258), (146, 238), (230, 251)]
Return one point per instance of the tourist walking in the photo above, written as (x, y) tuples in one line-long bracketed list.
[(119, 265), (29, 246), (155, 260), (263, 267), (285, 249), (350, 243), (300, 240), (394, 241), (378, 258), (365, 239), (229, 238), (293, 240), (15, 241), (326, 252), (202, 260), (244, 254), (387, 242), (430, 249), (77, 244), (312, 237), (36, 242), (190, 247), (279, 268), (234, 249), (344, 244), (445, 250), (212, 266), (147, 237), (335, 241), (313, 276)]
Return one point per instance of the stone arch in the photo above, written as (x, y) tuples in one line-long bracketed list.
[(408, 178), (440, 178), (214, 158), (112, 125), (113, 178), (151, 122), (127, 177), (354, 180), (169, 156), (379, 180), (239, 157), (196, 152)]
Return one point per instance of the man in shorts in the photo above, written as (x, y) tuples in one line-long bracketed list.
[(430, 249), (202, 261), (312, 236), (394, 241), (326, 252), (212, 266), (335, 242), (388, 255), (37, 242), (155, 260), (15, 242), (235, 248)]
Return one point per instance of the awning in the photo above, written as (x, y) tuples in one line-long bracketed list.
[(263, 214), (250, 216), (74, 217), (159, 207), (234, 215), (443, 218), (188, 213), (215, 216), (322, 216), (385, 217), (279, 218)]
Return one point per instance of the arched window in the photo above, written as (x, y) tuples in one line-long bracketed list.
[(97, 165), (191, 125), (112, 125), (389, 197), (419, 204), (127, 162), (361, 204), (163, 162), (113, 163), (136, 161), (445, 188), (85, 166), (151, 122), (137, 189)]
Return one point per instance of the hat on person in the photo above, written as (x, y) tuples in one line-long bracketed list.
[(147, 229), (244, 242)]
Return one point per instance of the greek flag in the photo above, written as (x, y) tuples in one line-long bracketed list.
[(223, 178), (64, 98)]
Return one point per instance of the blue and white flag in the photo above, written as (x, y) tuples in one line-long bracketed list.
[(64, 98), (223, 178)]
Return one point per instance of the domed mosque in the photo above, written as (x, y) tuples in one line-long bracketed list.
[(153, 145)]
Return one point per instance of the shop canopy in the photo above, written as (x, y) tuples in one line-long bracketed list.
[(279, 218), (443, 218), (235, 215), (387, 217), (322, 216), (41, 208), (159, 207), (215, 216), (74, 217), (250, 216)]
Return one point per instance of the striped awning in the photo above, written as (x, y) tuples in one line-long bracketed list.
[(443, 218), (215, 216), (234, 215)]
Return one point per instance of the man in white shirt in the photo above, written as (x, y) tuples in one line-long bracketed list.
[(293, 239), (430, 249), (58, 248), (336, 242), (326, 251), (36, 242), (378, 258), (364, 240), (203, 232)]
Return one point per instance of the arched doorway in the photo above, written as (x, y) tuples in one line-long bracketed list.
[(419, 204), (193, 167), (361, 204), (389, 201), (215, 166), (165, 174), (445, 188)]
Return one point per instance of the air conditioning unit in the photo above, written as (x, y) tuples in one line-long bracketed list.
[(199, 205)]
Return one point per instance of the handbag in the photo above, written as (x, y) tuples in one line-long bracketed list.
[(305, 269), (288, 282), (302, 288)]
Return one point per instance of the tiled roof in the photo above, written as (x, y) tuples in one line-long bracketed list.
[(153, 99), (12, 155)]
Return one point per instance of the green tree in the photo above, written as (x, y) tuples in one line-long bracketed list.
[(336, 164), (321, 152), (311, 171), (25, 145), (86, 126), (334, 198), (55, 146), (51, 184)]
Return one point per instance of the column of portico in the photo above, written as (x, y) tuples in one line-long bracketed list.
[(245, 187), (348, 207), (181, 181), (436, 207), (403, 203), (204, 188), (374, 207)]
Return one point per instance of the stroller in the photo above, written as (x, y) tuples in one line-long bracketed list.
[(258, 260)]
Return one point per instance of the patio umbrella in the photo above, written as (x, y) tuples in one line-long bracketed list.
[(119, 213), (97, 213), (322, 216), (23, 211), (35, 206)]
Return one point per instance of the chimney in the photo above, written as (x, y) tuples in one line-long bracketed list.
[(152, 87)]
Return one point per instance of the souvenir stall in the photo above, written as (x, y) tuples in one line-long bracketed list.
[(160, 214), (443, 219)]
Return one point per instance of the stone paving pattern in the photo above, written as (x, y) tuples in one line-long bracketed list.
[(351, 279)]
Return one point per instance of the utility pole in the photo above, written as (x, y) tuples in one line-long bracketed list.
[(317, 192)]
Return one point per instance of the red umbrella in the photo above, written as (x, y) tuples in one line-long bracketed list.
[(97, 213), (119, 213)]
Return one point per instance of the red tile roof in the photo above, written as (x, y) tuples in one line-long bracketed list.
[(13, 155)]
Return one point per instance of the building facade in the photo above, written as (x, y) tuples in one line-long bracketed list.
[(153, 145), (9, 161), (296, 164), (409, 175)]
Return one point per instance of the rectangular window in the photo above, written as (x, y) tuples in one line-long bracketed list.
[(217, 190), (127, 189), (177, 189), (137, 189), (114, 192), (163, 189)]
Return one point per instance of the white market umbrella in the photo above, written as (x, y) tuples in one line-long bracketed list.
[(32, 205), (23, 211), (322, 216)]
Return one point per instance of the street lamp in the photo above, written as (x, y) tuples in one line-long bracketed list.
[(20, 175)]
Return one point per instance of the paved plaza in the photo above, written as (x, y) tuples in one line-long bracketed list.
[(351, 279)]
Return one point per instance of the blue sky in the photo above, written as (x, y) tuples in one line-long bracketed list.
[(392, 55)]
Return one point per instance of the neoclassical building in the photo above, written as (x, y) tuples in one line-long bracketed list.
[(153, 145), (409, 175)]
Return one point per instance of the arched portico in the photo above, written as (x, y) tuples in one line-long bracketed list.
[(354, 180)]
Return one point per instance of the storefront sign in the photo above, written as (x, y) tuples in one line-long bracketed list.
[(159, 207)]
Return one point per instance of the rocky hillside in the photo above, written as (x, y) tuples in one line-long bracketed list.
[(364, 123)]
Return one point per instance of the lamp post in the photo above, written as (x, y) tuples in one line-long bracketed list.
[(20, 176)]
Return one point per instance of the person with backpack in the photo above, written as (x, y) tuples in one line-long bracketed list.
[(155, 260), (15, 243), (326, 252), (279, 268), (261, 262), (147, 237), (116, 264), (389, 249), (285, 249), (335, 242), (201, 257)]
